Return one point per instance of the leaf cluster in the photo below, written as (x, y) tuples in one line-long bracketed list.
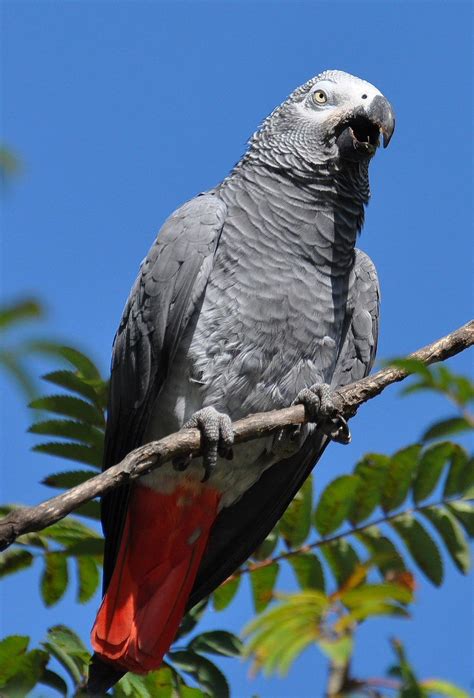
[(458, 389), (62, 660), (78, 427), (382, 509)]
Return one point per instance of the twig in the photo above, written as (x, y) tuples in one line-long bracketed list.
[(307, 547), (154, 454)]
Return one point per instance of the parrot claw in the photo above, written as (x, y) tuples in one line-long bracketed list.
[(217, 438), (319, 404)]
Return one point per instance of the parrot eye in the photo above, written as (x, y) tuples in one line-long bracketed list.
[(320, 97)]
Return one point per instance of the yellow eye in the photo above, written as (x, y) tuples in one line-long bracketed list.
[(320, 97)]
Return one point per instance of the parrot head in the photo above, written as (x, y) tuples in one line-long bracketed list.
[(333, 118)]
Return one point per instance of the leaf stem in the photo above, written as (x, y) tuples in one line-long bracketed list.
[(326, 541)]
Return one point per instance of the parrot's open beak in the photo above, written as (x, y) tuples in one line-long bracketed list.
[(358, 135), (381, 114)]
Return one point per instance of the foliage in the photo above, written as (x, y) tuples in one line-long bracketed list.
[(354, 553), (379, 517), (401, 510), (21, 668), (13, 354), (10, 164), (439, 379), (409, 686)]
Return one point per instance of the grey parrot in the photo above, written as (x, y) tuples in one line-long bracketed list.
[(253, 297)]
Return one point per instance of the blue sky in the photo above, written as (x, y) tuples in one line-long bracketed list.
[(121, 111)]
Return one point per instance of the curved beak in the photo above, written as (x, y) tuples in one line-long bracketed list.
[(381, 113)]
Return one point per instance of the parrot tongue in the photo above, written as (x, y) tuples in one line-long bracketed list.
[(358, 139), (364, 133)]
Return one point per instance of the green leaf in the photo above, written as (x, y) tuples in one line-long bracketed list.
[(14, 560), (452, 535), (37, 540), (464, 513), (224, 594), (383, 552), (401, 470), (90, 509), (54, 578), (69, 650), (15, 367), (88, 577), (69, 530), (262, 581), (19, 311), (412, 366), (69, 406), (430, 468), (80, 361), (131, 686), (71, 381), (341, 558), (371, 471), (410, 688), (27, 674), (190, 692), (373, 593), (444, 688), (192, 618), (217, 642), (10, 164), (446, 427), (53, 680), (456, 480), (12, 650), (339, 650), (69, 429), (76, 452), (85, 547), (308, 571), (295, 524), (68, 478), (421, 546), (207, 675), (370, 610), (460, 388), (335, 503), (266, 548), (284, 631), (160, 683), (464, 389)]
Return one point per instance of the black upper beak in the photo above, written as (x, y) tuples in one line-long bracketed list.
[(381, 113)]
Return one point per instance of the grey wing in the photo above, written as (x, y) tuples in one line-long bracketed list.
[(359, 344), (170, 284), (241, 528)]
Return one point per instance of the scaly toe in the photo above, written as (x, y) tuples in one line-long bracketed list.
[(319, 404), (317, 400), (217, 436)]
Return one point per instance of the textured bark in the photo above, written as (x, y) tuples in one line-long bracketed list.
[(152, 455)]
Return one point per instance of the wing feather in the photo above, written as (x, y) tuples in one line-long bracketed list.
[(171, 281)]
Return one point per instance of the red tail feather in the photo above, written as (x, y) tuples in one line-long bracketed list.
[(163, 541)]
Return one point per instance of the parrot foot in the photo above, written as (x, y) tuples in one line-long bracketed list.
[(319, 403), (217, 435)]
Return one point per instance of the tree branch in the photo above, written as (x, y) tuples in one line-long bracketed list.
[(154, 454)]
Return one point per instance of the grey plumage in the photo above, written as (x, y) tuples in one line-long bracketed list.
[(252, 292)]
